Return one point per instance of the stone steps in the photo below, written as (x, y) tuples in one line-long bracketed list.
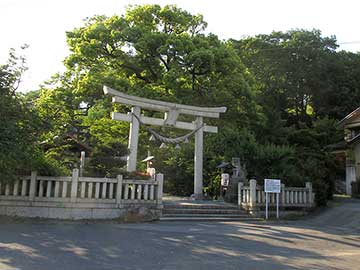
[(208, 218), (204, 211), (200, 206)]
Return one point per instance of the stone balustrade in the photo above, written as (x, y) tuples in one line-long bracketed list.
[(81, 197), (253, 196)]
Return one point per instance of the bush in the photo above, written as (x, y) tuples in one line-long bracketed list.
[(321, 189), (106, 160), (274, 161), (48, 166)]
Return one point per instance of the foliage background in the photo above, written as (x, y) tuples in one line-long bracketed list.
[(284, 91)]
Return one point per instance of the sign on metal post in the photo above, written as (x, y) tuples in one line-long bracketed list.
[(272, 186)]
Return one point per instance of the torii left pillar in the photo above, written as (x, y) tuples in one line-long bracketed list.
[(133, 140)]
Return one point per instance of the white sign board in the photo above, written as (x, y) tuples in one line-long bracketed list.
[(225, 178), (272, 185)]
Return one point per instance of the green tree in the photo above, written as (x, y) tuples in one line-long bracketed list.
[(157, 53), (291, 69), (106, 160), (342, 94), (302, 84), (18, 130), (152, 51)]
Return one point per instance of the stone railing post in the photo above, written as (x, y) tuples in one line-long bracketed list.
[(308, 185), (32, 190), (240, 186), (283, 194), (74, 185), (252, 193), (160, 180), (119, 179)]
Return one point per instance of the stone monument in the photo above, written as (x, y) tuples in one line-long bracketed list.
[(238, 175)]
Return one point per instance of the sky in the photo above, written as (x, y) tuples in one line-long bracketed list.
[(42, 24)]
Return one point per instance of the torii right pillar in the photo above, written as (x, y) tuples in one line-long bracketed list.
[(198, 160)]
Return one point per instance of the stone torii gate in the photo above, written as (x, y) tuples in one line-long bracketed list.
[(171, 113)]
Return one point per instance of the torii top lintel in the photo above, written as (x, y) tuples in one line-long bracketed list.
[(157, 105)]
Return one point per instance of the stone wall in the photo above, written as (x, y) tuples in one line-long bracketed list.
[(253, 197), (82, 198)]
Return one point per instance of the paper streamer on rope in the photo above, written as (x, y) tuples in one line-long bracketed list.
[(164, 139)]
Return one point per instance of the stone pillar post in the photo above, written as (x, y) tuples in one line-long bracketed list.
[(357, 160), (133, 140), (252, 193), (308, 185), (160, 180), (283, 194), (119, 189), (350, 177), (74, 185), (32, 186), (198, 159), (240, 185), (82, 163)]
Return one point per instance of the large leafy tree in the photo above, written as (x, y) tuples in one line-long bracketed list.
[(342, 94), (156, 52), (301, 78), (159, 53), (18, 128), (291, 69)]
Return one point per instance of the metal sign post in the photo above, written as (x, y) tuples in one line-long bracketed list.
[(272, 186), (277, 205), (266, 207)]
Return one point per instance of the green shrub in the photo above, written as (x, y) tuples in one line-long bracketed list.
[(106, 160), (321, 190)]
